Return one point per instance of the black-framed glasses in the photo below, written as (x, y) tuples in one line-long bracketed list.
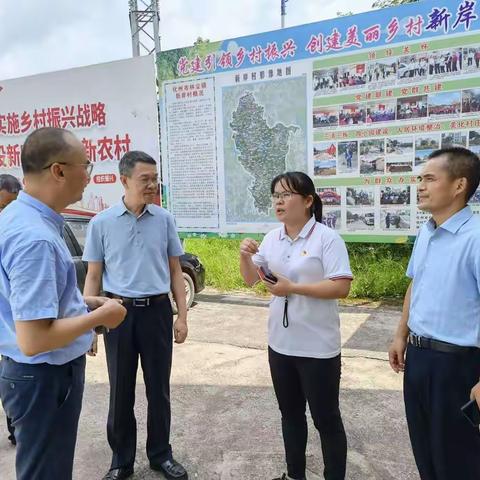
[(87, 166), (285, 196)]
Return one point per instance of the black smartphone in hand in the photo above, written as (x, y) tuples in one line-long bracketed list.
[(266, 274), (472, 412)]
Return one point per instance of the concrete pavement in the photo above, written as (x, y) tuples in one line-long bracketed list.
[(226, 423)]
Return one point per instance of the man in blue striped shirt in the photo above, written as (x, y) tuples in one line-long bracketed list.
[(440, 325)]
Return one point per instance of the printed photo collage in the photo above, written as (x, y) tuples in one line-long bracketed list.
[(388, 209), (430, 107), (419, 68), (390, 71), (386, 156), (363, 209)]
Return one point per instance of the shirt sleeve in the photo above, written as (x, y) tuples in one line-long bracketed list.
[(94, 250), (33, 273), (174, 248), (335, 259), (476, 265), (411, 263), (260, 258)]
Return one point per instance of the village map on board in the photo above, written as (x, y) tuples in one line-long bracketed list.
[(262, 137)]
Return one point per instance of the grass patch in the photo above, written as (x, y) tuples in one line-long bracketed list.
[(221, 258), (379, 269)]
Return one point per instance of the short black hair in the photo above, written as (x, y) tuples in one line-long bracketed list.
[(9, 183), (461, 163), (130, 159), (41, 145)]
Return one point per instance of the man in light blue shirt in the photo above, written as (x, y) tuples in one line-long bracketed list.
[(45, 326), (440, 325), (9, 190), (134, 249)]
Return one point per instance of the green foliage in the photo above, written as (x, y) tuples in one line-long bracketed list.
[(167, 61), (380, 4), (221, 259), (167, 64), (379, 269), (200, 41), (391, 3)]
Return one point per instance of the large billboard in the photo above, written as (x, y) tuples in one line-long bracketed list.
[(111, 107), (357, 102)]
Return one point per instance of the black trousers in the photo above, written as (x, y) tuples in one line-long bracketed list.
[(43, 402), (11, 430), (436, 385), (146, 333), (298, 380)]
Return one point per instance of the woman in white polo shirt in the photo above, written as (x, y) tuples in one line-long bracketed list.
[(311, 264)]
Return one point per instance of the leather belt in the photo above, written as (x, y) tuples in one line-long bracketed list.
[(432, 344), (140, 301)]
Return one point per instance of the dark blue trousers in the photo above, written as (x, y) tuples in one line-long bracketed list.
[(43, 402), (145, 334), (436, 385)]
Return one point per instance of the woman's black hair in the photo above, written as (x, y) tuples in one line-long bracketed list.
[(299, 182)]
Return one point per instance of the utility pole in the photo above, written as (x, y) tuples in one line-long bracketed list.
[(283, 11), (145, 26)]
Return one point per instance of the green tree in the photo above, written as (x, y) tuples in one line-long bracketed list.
[(167, 60), (380, 4), (391, 3), (167, 63), (200, 41)]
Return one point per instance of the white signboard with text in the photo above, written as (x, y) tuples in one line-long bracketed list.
[(111, 108)]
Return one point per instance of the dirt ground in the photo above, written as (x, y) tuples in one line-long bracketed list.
[(226, 423)]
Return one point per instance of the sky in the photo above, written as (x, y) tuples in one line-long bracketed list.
[(46, 35)]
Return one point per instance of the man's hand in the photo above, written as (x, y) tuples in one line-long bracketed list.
[(475, 394), (282, 288), (248, 247), (113, 313), (95, 302), (94, 348), (180, 330), (396, 354)]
